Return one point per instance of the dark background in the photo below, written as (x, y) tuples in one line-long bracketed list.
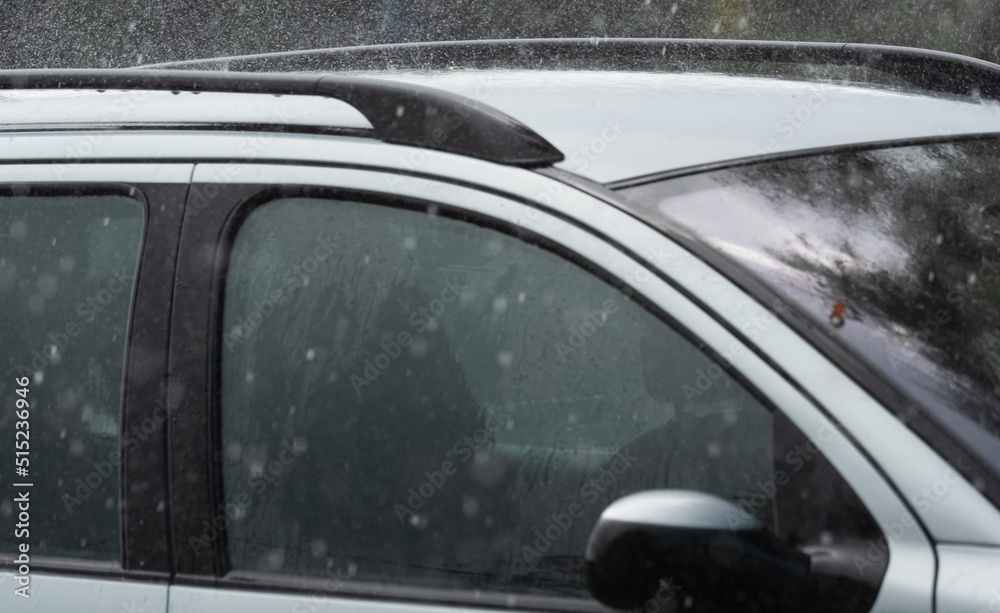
[(117, 33)]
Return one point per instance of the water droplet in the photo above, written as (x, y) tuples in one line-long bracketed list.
[(505, 358), (418, 521), (47, 284), (19, 230), (318, 548), (419, 348)]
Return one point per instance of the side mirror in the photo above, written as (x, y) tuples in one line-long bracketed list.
[(693, 548)]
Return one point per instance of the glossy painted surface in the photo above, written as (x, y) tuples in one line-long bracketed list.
[(969, 579), (59, 593), (684, 509)]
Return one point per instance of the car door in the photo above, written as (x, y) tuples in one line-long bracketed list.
[(409, 393), (86, 263)]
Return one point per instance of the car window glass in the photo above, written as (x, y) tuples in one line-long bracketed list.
[(893, 251), (67, 268), (411, 398)]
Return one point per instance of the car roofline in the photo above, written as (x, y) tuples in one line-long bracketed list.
[(399, 113), (778, 156), (930, 70)]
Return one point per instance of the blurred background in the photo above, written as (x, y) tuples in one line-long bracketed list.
[(119, 33)]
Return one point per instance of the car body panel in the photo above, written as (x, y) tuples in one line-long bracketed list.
[(50, 592), (969, 580)]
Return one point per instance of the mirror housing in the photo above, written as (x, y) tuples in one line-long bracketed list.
[(694, 548)]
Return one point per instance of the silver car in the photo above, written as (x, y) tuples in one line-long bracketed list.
[(567, 325)]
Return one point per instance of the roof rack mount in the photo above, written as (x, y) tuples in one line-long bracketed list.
[(402, 114)]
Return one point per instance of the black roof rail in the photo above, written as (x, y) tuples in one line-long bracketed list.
[(399, 113), (936, 71)]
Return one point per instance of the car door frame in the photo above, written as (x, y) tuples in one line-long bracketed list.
[(144, 568), (524, 203)]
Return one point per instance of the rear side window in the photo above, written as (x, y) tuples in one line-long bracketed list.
[(412, 399), (67, 268)]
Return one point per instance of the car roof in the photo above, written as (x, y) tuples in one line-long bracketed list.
[(611, 124), (617, 125)]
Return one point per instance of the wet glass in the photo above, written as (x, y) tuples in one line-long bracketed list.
[(894, 251), (408, 398), (67, 269)]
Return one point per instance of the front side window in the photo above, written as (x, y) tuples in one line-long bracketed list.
[(408, 398), (67, 268)]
